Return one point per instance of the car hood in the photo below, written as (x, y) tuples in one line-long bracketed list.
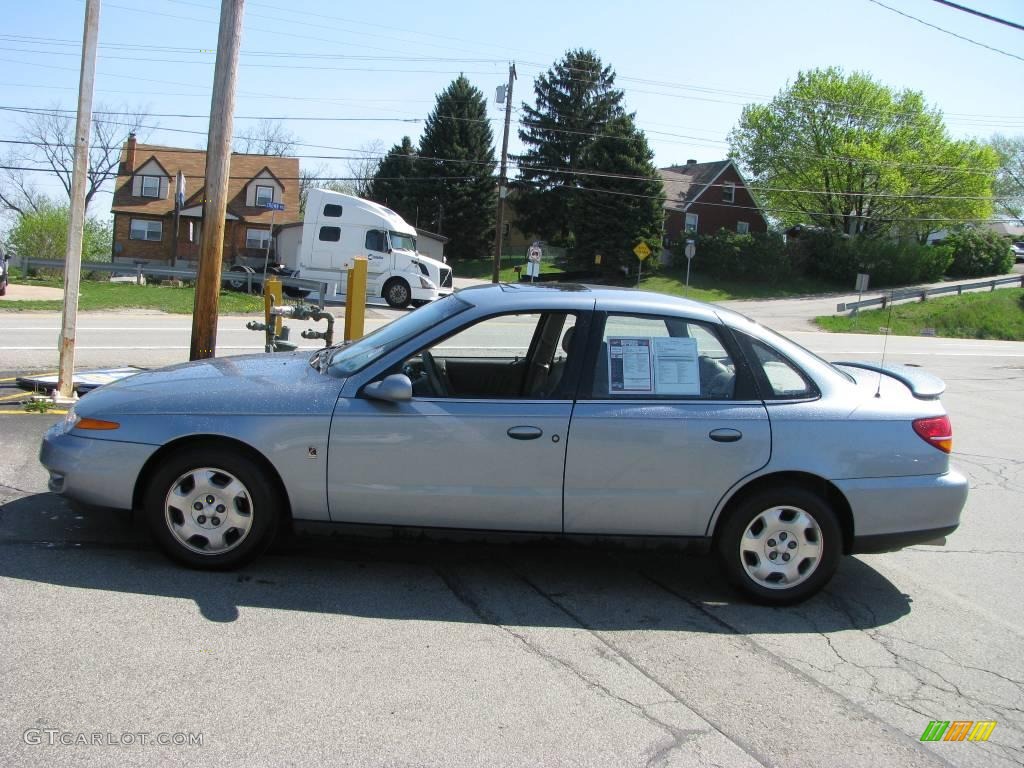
[(244, 384)]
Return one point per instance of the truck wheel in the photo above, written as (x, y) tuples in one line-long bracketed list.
[(396, 293)]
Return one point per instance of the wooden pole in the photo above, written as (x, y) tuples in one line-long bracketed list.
[(502, 181), (218, 170), (76, 216)]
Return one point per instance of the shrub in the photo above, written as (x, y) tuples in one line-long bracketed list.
[(978, 253), (756, 257), (889, 262)]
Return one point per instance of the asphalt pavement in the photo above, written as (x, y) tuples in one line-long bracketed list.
[(396, 651)]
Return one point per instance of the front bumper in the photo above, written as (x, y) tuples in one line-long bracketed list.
[(97, 472), (894, 512)]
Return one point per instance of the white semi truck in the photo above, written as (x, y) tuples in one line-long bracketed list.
[(337, 228)]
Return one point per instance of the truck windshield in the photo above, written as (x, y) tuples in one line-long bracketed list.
[(404, 242), (353, 358)]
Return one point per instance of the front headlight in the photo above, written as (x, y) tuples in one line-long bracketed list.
[(425, 283), (70, 420)]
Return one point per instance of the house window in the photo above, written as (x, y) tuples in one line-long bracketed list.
[(330, 234), (742, 227), (146, 229), (691, 223), (257, 238), (264, 195), (729, 192), (332, 211), (151, 186)]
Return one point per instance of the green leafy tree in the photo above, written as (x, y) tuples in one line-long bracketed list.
[(43, 234), (457, 188), (849, 154), (576, 101), (396, 182), (618, 210), (1009, 187)]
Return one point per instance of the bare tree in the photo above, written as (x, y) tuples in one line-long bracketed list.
[(18, 193), (267, 137), (364, 167), (50, 140)]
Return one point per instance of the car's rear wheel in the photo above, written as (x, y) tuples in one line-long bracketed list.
[(210, 509), (780, 545), (397, 293)]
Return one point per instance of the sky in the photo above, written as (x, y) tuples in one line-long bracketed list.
[(345, 75)]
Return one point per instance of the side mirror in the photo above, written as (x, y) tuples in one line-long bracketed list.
[(395, 388)]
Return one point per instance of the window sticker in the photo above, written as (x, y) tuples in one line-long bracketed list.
[(676, 368), (629, 365)]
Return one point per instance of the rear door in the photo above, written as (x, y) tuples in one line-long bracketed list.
[(666, 422)]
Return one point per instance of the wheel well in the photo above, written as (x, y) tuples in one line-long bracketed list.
[(819, 485), (193, 442)]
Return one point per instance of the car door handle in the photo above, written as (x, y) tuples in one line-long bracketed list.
[(725, 435), (525, 433)]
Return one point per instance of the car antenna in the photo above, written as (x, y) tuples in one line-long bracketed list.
[(885, 342)]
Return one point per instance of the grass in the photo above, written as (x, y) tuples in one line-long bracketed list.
[(991, 315), (481, 269), (98, 295), (704, 288)]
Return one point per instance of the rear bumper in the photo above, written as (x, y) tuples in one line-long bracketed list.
[(101, 473), (894, 512)]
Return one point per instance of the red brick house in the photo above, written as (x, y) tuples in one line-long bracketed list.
[(703, 198), (146, 203)]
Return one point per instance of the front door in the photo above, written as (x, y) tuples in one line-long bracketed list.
[(480, 445)]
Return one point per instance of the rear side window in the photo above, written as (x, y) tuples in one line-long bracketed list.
[(332, 211), (784, 380), (330, 234)]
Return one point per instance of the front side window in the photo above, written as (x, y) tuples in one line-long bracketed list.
[(264, 195), (151, 186), (329, 234), (691, 222), (146, 229), (503, 357), (662, 357), (375, 240), (257, 238)]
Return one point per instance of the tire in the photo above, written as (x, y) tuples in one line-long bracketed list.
[(794, 524), (241, 284), (212, 509), (396, 293)]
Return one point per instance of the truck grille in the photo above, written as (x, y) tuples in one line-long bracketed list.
[(446, 278)]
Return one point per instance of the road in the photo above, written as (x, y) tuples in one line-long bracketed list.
[(356, 651)]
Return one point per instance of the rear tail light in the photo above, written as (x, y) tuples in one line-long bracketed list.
[(937, 431)]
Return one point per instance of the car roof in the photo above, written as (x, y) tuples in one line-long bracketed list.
[(576, 296)]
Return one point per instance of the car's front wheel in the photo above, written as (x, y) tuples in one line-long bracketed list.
[(780, 545), (210, 509)]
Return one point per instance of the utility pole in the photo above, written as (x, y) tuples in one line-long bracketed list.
[(503, 181), (218, 170), (76, 217)]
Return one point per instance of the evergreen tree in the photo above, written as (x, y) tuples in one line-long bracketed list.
[(617, 209), (575, 100), (457, 191), (395, 184)]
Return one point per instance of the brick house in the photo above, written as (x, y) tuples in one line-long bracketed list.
[(703, 198), (146, 197)]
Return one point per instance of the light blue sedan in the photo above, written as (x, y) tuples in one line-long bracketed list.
[(564, 410)]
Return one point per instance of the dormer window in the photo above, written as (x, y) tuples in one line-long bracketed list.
[(151, 186), (264, 196)]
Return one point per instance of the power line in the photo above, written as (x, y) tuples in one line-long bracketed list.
[(996, 19), (946, 31)]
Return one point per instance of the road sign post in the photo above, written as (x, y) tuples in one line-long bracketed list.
[(641, 250), (690, 251), (274, 208)]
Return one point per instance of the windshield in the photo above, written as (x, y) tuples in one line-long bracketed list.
[(353, 358), (405, 242)]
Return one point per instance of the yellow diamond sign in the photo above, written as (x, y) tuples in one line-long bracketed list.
[(642, 250)]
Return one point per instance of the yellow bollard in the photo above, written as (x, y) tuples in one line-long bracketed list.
[(355, 300), (272, 290)]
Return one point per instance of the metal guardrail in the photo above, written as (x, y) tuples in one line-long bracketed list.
[(138, 269), (921, 294)]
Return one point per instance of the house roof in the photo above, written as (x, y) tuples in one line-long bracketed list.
[(685, 183), (192, 164)]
